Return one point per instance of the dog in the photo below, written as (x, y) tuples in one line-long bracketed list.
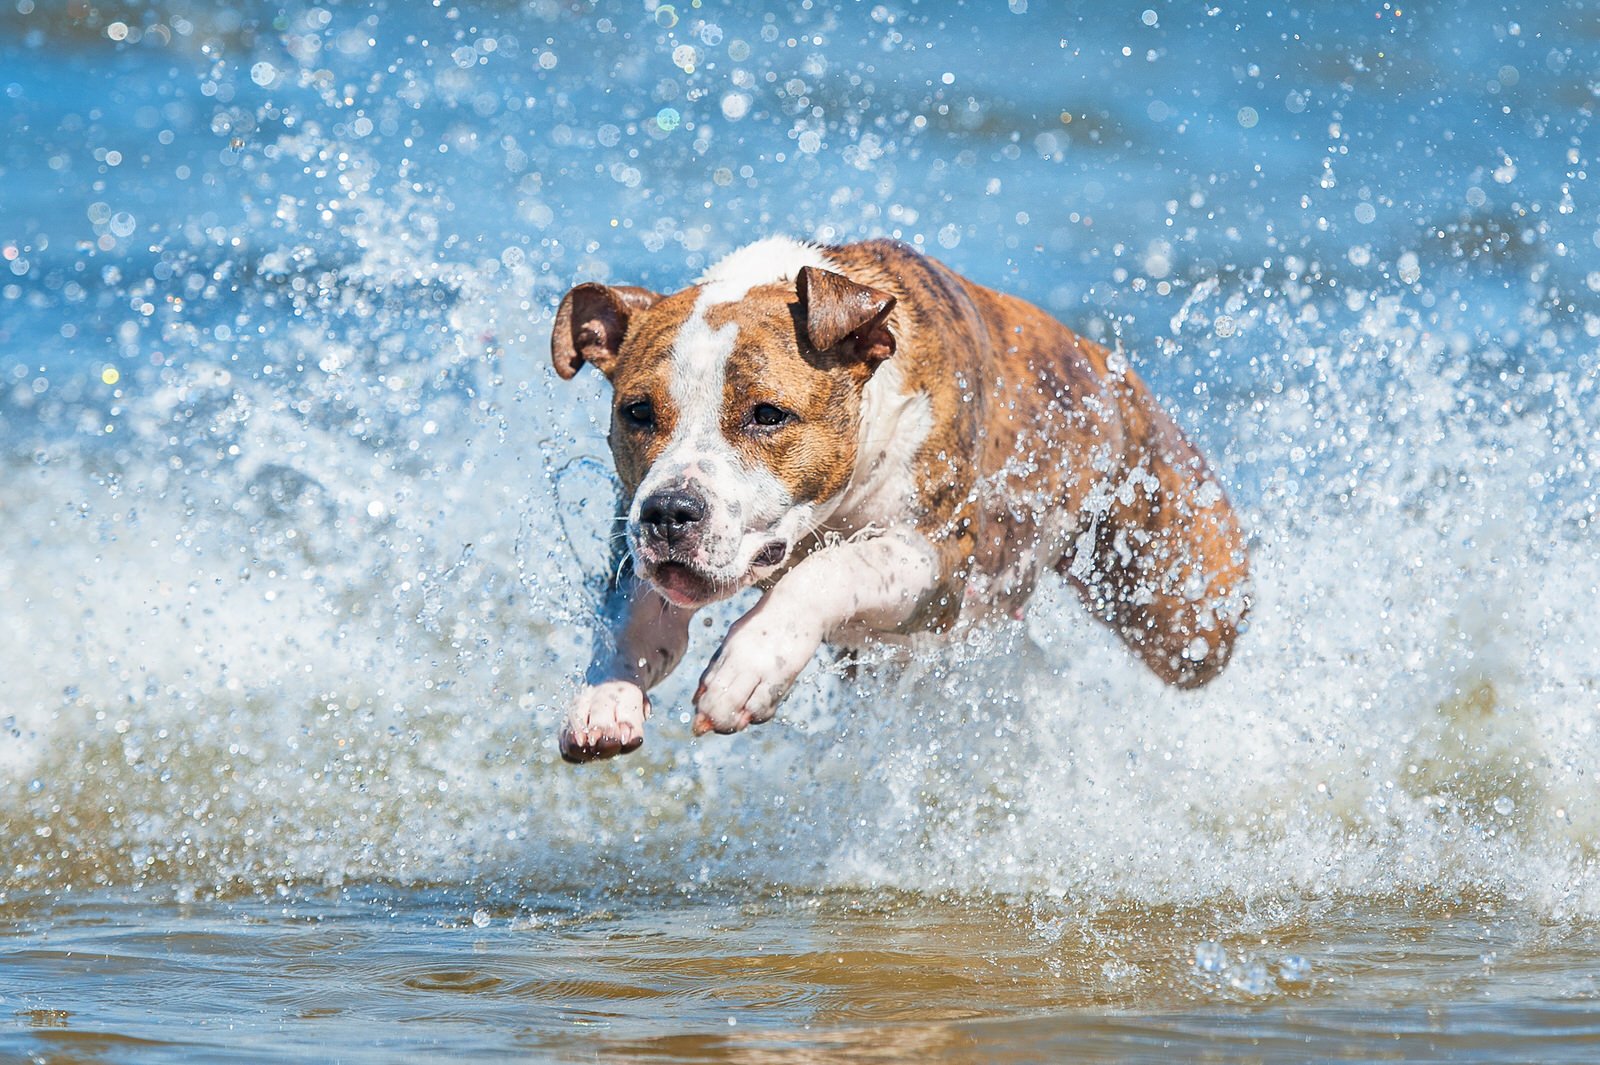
[(884, 448)]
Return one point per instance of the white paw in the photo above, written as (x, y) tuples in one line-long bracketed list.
[(605, 720), (750, 674)]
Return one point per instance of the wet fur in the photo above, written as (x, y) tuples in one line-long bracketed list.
[(1067, 428), (949, 443)]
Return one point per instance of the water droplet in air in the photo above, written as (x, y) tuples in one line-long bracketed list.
[(1225, 325), (480, 918), (1293, 969), (1504, 806), (1209, 957), (1250, 977)]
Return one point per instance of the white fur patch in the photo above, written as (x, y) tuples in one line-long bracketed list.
[(760, 263), (700, 354), (894, 424), (699, 370), (838, 593)]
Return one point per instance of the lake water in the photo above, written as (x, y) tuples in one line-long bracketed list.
[(300, 540)]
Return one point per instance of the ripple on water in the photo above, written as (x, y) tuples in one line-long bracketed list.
[(848, 976), (454, 981)]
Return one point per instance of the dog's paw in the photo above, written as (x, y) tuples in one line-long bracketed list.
[(605, 720), (750, 674)]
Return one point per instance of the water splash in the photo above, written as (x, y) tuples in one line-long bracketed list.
[(302, 599)]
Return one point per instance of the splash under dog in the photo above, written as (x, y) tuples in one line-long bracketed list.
[(883, 448)]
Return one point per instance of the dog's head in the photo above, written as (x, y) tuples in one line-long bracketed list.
[(735, 413)]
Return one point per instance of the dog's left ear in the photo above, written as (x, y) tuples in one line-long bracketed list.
[(590, 325), (842, 314)]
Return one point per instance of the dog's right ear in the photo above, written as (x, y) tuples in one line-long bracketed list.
[(841, 314), (590, 325)]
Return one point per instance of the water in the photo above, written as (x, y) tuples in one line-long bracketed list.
[(300, 539), (385, 975)]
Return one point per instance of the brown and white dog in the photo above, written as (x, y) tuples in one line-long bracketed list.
[(884, 448)]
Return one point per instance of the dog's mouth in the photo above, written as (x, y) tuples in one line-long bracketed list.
[(686, 586)]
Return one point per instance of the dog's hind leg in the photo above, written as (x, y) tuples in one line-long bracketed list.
[(1165, 564)]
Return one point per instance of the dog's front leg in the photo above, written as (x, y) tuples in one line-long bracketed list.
[(607, 717), (874, 583)]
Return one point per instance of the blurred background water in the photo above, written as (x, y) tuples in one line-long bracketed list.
[(299, 536)]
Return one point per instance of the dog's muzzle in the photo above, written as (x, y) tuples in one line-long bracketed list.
[(672, 520)]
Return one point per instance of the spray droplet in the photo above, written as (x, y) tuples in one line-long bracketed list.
[(1224, 325), (1294, 969), (1209, 957), (1250, 978), (480, 918), (1504, 806)]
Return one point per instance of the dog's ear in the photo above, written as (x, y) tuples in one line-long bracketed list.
[(590, 325), (842, 314)]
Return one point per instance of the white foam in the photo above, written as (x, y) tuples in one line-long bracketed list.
[(202, 696)]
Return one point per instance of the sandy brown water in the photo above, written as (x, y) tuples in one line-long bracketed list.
[(385, 974)]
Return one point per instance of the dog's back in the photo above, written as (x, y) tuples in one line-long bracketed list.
[(1048, 451)]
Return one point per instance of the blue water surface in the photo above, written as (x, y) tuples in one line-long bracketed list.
[(173, 162)]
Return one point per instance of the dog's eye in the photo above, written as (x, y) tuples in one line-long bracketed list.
[(767, 416), (640, 415)]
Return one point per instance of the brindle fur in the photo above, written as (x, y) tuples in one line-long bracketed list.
[(1045, 450), (1015, 390)]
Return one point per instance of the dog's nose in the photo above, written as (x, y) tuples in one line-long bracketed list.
[(671, 516)]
